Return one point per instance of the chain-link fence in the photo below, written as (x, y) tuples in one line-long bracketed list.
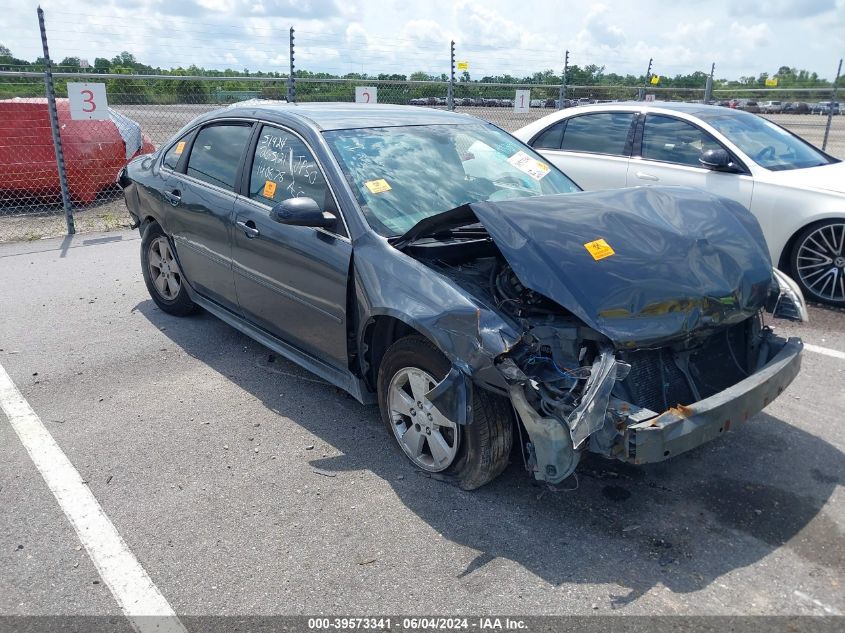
[(146, 109)]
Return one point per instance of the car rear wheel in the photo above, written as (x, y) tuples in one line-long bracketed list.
[(162, 274), (818, 262), (467, 455)]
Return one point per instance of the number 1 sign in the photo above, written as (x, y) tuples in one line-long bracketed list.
[(366, 94), (522, 101), (88, 102)]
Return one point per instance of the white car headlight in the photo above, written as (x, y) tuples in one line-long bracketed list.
[(789, 301)]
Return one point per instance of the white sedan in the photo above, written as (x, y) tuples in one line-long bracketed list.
[(796, 191)]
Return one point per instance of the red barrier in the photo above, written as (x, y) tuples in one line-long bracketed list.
[(94, 151)]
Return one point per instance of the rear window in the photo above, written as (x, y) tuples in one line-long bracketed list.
[(216, 154), (601, 133), (171, 158), (550, 138)]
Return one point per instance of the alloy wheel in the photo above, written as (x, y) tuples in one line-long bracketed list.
[(164, 271), (427, 437), (821, 262)]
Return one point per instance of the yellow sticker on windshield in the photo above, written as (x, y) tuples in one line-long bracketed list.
[(180, 147), (269, 189), (599, 249), (377, 186)]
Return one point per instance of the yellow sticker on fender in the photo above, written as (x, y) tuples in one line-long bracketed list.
[(377, 186), (599, 249), (269, 189), (180, 147)]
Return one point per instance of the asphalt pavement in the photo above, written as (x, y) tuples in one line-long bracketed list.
[(243, 484)]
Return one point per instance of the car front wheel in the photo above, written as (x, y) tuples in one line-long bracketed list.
[(818, 262), (162, 274), (467, 455)]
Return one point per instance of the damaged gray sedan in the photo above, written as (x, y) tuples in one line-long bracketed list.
[(434, 264)]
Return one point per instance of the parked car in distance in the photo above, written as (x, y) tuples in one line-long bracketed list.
[(536, 103), (795, 190), (796, 107), (824, 107), (94, 151), (771, 107), (432, 263), (748, 106)]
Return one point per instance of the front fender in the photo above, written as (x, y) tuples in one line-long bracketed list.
[(392, 284)]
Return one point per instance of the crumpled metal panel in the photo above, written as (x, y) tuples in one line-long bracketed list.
[(682, 259)]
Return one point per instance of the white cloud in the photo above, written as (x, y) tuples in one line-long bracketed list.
[(751, 36), (598, 30), (780, 8), (401, 36)]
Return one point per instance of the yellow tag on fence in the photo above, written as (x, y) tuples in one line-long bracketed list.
[(599, 249), (269, 189), (377, 186)]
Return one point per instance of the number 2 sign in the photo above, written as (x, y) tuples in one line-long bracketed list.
[(366, 94), (88, 102)]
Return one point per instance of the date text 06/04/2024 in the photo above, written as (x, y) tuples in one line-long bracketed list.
[(416, 623)]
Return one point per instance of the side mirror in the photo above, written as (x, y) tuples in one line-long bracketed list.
[(302, 212), (716, 159)]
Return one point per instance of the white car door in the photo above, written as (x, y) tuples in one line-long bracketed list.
[(668, 155), (593, 149)]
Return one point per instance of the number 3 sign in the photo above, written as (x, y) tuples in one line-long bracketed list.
[(366, 94), (88, 102)]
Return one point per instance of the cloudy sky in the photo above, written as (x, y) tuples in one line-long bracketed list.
[(743, 37)]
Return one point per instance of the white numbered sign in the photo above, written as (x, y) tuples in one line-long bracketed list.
[(88, 102), (522, 101), (366, 94)]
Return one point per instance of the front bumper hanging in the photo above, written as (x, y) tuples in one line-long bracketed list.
[(683, 428)]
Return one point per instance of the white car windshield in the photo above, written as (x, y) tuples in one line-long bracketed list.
[(768, 144), (401, 175)]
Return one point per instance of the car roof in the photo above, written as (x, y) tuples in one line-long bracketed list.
[(675, 106), (345, 116)]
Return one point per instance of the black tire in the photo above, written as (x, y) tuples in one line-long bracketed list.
[(484, 442), (822, 292), (179, 304)]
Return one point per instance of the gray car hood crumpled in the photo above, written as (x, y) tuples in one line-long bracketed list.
[(683, 260)]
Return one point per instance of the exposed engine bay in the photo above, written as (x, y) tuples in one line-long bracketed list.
[(571, 388)]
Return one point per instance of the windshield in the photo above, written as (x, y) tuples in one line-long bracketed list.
[(402, 175), (769, 145)]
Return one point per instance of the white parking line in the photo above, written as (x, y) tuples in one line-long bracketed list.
[(834, 353), (133, 589)]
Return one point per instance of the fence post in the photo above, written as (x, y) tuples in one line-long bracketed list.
[(708, 87), (450, 90), (54, 125), (562, 94), (291, 80), (832, 105)]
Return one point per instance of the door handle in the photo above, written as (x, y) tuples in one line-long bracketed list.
[(644, 176), (248, 228), (174, 196)]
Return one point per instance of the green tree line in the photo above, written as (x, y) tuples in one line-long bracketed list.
[(600, 84)]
